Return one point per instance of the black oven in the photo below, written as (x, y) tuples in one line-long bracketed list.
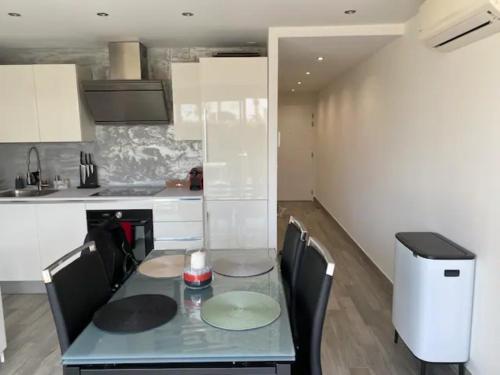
[(136, 224)]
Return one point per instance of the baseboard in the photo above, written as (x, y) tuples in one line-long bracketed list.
[(22, 287), (363, 251)]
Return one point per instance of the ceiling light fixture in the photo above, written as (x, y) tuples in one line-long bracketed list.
[(299, 83), (320, 58), (14, 14), (187, 14), (350, 11), (293, 90), (308, 73), (102, 14)]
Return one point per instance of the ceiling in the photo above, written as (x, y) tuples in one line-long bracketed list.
[(216, 23), (299, 55)]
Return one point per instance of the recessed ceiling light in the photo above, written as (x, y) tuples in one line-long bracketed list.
[(187, 14), (293, 90), (350, 11), (299, 83), (320, 58), (102, 14), (308, 73), (14, 14)]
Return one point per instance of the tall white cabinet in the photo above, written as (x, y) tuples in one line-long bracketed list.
[(234, 98), (42, 103)]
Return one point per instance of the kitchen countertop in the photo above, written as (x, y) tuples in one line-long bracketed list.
[(74, 194)]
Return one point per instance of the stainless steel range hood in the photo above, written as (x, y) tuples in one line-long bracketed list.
[(128, 98)]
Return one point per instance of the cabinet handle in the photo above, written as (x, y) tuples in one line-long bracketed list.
[(205, 135), (206, 235), (178, 238)]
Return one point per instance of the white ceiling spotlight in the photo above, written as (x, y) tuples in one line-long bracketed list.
[(187, 14), (350, 11), (320, 58), (299, 83), (308, 73), (292, 90), (14, 14), (102, 14)]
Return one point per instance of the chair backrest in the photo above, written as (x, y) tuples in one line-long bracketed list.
[(77, 286), (312, 293), (112, 246), (293, 247)]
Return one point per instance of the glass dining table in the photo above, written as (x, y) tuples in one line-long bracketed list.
[(186, 344)]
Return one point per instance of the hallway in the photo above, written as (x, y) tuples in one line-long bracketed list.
[(358, 333)]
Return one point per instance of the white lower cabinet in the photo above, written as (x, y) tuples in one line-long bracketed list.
[(35, 235), (178, 224), (20, 259), (61, 228), (236, 224)]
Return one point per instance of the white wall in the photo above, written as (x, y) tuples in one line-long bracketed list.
[(411, 138), (296, 134)]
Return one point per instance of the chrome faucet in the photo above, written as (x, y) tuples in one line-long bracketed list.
[(39, 168)]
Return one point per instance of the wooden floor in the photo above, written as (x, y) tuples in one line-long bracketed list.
[(357, 337)]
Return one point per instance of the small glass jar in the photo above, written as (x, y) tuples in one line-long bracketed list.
[(197, 268)]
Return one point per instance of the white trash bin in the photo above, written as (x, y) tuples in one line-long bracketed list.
[(432, 299)]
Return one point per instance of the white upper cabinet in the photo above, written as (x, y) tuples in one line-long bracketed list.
[(18, 111), (188, 112), (42, 103), (62, 116), (234, 95)]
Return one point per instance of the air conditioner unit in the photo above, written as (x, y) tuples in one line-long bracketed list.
[(446, 25)]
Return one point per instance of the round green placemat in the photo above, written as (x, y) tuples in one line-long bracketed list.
[(239, 311)]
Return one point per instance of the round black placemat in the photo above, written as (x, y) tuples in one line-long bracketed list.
[(135, 314)]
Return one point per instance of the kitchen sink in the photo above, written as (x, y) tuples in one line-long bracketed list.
[(26, 193)]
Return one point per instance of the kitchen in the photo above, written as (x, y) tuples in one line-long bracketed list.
[(126, 140), (248, 188)]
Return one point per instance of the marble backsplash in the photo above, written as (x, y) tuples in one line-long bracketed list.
[(141, 155), (125, 155)]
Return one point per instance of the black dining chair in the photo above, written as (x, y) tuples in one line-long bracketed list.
[(291, 254), (77, 286), (118, 259), (313, 287)]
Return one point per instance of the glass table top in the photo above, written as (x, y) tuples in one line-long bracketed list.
[(187, 338)]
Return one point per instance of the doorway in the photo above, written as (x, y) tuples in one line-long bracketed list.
[(295, 153)]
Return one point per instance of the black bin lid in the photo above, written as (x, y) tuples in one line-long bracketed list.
[(433, 246)]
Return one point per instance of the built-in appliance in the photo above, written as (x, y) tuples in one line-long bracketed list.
[(432, 300), (127, 98), (235, 173), (129, 191), (137, 226)]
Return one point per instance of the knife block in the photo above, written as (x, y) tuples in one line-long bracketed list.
[(90, 181)]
